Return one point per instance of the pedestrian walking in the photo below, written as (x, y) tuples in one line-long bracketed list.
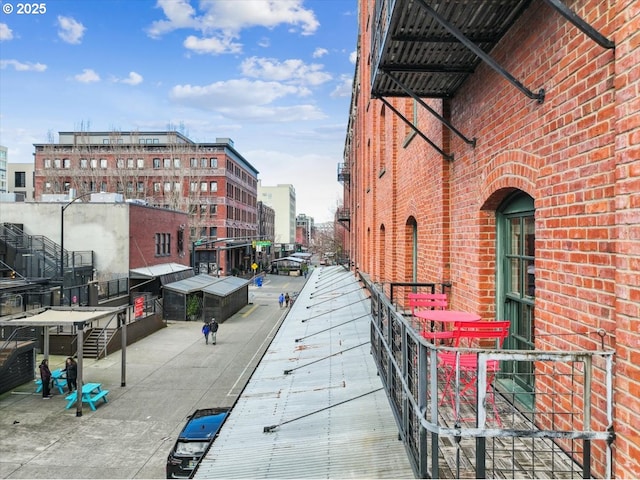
[(205, 331), (214, 330), (45, 376), (281, 300), (287, 299), (71, 371)]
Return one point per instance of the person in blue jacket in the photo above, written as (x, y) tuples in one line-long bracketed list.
[(205, 331)]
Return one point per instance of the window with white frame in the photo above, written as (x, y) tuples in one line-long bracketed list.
[(156, 163), (213, 186), (176, 163), (120, 163), (130, 163), (140, 163), (203, 186), (166, 162), (193, 162), (213, 162), (167, 186), (103, 163)]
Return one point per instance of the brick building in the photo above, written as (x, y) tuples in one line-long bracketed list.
[(502, 156), (213, 182)]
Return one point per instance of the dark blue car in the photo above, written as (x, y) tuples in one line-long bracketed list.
[(195, 438)]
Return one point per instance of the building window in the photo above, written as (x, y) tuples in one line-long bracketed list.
[(213, 210), (56, 163), (156, 163), (213, 186), (203, 211), (193, 162), (119, 188), (129, 187), (176, 163), (66, 163), (103, 163), (84, 163), (163, 244), (167, 186), (20, 179), (103, 186), (167, 163), (203, 162), (203, 186), (140, 187), (66, 186), (176, 186), (47, 163), (94, 163), (140, 163), (105, 141), (120, 163), (213, 162), (129, 162), (157, 187), (213, 232)]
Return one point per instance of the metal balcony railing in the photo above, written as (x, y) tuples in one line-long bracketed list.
[(560, 429)]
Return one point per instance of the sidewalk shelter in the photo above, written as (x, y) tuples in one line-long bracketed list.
[(222, 299), (176, 295), (77, 318), (287, 266)]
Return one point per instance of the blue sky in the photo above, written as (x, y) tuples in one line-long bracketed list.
[(273, 75)]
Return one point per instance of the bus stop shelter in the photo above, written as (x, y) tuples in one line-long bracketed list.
[(77, 317)]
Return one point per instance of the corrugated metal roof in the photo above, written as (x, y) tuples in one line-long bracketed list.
[(311, 434), (157, 270), (412, 45), (193, 284), (226, 286)]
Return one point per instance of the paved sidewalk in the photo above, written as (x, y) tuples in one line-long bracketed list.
[(169, 375)]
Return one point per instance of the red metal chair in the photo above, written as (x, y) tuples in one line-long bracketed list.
[(472, 335), (423, 301)]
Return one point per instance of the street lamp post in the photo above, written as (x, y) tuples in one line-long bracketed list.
[(62, 255)]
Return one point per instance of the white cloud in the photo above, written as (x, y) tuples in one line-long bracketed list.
[(353, 56), (87, 76), (343, 89), (292, 70), (232, 17), (264, 42), (133, 79), (70, 30), (179, 13), (23, 67), (5, 32), (320, 52), (230, 93), (212, 45)]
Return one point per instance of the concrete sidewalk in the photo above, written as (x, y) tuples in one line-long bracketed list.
[(168, 375)]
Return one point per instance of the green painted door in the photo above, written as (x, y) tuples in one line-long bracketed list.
[(516, 288)]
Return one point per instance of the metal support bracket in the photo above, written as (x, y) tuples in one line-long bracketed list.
[(415, 129), (443, 120), (456, 32), (578, 22)]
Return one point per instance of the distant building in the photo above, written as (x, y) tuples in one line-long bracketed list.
[(20, 181), (282, 198), (210, 181), (3, 169), (266, 231), (304, 230)]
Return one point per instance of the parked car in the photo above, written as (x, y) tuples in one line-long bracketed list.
[(196, 437)]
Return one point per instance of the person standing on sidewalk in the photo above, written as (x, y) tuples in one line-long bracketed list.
[(45, 376), (205, 331), (71, 370), (214, 330), (281, 300)]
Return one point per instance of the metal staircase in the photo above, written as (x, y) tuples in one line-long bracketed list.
[(95, 345)]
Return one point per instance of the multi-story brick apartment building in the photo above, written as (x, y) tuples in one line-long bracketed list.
[(212, 181), (495, 146)]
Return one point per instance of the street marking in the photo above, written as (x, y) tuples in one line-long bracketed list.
[(246, 314)]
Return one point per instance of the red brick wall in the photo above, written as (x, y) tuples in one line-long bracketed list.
[(577, 155), (144, 223)]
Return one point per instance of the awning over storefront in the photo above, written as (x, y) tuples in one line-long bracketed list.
[(59, 317)]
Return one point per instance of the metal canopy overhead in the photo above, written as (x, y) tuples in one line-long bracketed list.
[(416, 49), (57, 316), (226, 286)]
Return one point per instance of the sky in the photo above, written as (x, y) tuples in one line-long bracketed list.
[(275, 76)]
